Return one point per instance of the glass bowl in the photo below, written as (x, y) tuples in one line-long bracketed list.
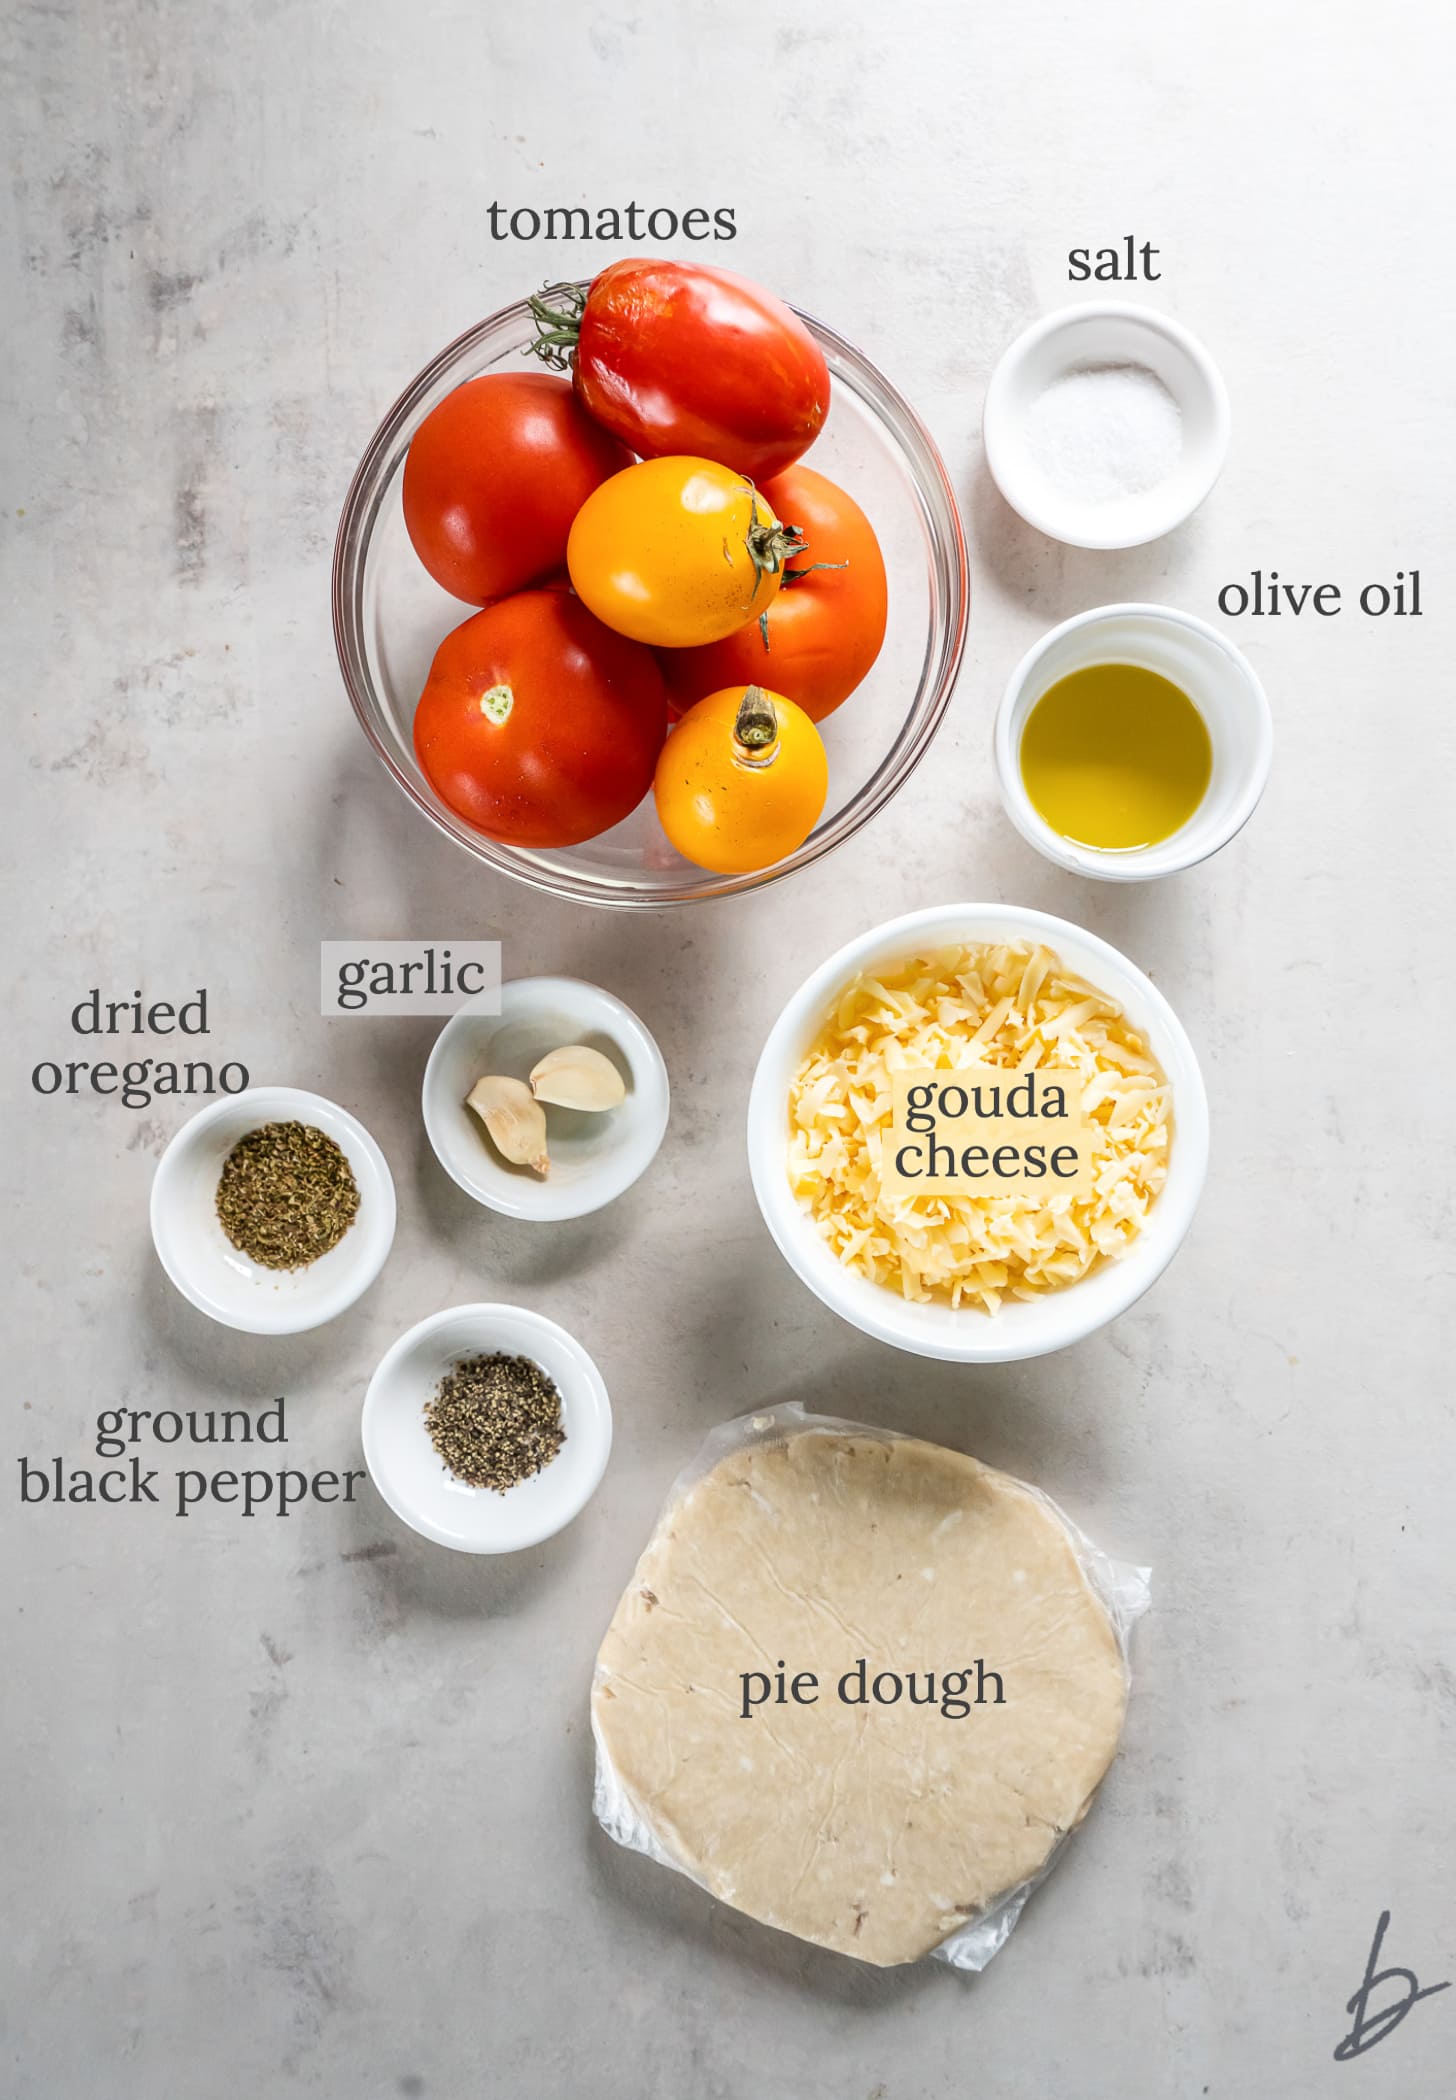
[(390, 617)]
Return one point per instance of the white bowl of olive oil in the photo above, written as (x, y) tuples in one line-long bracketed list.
[(1132, 741)]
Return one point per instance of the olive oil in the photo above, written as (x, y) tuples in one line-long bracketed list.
[(1115, 757)]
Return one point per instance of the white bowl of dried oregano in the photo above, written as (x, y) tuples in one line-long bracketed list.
[(273, 1210)]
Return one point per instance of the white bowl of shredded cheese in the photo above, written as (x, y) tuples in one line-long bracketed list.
[(976, 1279)]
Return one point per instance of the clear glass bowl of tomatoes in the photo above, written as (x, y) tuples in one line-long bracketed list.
[(390, 618)]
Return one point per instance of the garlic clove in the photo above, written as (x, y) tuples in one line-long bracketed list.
[(515, 1120), (578, 1077)]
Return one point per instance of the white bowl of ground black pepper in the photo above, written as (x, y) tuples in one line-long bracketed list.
[(509, 1400), (273, 1210), (1106, 424)]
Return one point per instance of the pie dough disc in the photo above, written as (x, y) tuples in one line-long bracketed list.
[(876, 1829)]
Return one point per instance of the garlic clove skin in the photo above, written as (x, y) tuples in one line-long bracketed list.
[(514, 1119), (578, 1077)]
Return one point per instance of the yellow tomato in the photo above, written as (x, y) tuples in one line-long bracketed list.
[(677, 552), (741, 781)]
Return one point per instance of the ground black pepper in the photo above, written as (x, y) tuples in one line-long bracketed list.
[(287, 1195), (495, 1421)]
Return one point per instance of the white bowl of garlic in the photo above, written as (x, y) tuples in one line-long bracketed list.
[(550, 1107)]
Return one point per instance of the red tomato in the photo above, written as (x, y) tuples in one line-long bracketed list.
[(680, 358), (494, 477), (557, 580), (537, 724), (826, 625)]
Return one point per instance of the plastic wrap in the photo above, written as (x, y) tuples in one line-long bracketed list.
[(1122, 1590)]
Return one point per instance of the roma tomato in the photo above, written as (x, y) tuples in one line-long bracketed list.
[(677, 551), (538, 725), (741, 781), (823, 631), (676, 357), (494, 477)]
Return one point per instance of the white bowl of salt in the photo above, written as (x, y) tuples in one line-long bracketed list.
[(1105, 425)]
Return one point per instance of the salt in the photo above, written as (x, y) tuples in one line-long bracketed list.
[(1105, 431)]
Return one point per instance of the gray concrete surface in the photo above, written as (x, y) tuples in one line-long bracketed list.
[(303, 1807)]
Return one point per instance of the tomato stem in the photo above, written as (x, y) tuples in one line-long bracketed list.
[(559, 326), (769, 546), (756, 730), (798, 575)]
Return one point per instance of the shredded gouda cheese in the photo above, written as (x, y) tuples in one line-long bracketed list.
[(1005, 1004)]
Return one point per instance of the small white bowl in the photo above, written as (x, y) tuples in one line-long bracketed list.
[(1218, 679), (408, 1471), (1110, 332), (593, 1157), (1023, 1327), (218, 1277)]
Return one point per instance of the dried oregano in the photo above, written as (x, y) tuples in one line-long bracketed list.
[(287, 1195)]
